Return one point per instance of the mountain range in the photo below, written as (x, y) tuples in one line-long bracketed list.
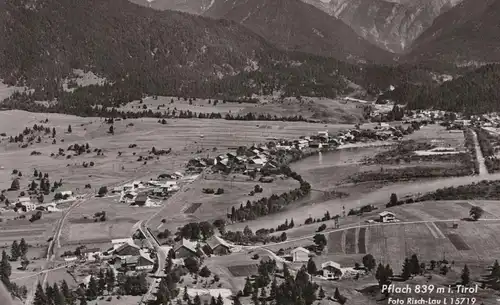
[(296, 26), (468, 34), (390, 24), (243, 47)]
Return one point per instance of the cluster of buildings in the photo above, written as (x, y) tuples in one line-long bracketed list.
[(213, 246), (259, 157), (27, 204), (138, 193), (124, 255)]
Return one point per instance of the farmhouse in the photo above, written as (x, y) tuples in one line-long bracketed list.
[(25, 204), (331, 270), (316, 144), (386, 216), (185, 249), (216, 247), (197, 162), (300, 254), (256, 164), (66, 194), (301, 144), (126, 250), (141, 199), (90, 254), (140, 262)]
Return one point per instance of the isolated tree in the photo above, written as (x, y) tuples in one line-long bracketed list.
[(465, 276), (103, 190), (205, 272), (320, 241), (369, 262), (248, 289), (53, 132), (381, 275), (321, 293), (33, 185), (394, 199), (197, 300), (414, 265), (311, 267), (15, 185), (444, 270), (5, 269), (24, 263), (15, 251), (495, 270), (23, 247), (476, 212), (219, 301), (191, 264), (111, 130), (406, 272), (69, 129)]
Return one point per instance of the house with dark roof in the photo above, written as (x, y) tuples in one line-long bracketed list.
[(216, 247), (186, 248), (138, 263), (141, 199), (126, 250)]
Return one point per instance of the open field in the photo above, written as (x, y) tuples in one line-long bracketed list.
[(36, 234), (186, 138), (320, 109), (175, 103), (211, 206), (439, 136), (121, 219)]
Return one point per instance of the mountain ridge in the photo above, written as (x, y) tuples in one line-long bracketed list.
[(393, 25), (316, 33), (465, 35)]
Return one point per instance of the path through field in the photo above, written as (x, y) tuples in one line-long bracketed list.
[(483, 171)]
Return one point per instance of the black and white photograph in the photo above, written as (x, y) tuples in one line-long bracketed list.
[(249, 152)]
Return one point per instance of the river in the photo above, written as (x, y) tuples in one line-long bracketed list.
[(376, 197)]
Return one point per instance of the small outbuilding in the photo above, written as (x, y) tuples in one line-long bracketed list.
[(300, 254), (387, 216)]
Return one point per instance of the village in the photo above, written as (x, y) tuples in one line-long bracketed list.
[(214, 253)]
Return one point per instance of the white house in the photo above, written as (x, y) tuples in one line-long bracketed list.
[(90, 254), (66, 193), (300, 254), (25, 204), (323, 134), (331, 270), (23, 200), (386, 216)]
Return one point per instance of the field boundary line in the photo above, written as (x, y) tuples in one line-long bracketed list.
[(438, 230), (433, 233)]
